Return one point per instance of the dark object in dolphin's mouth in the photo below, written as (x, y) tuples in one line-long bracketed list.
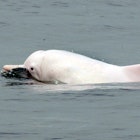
[(16, 73)]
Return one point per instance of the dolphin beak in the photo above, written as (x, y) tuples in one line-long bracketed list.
[(15, 72)]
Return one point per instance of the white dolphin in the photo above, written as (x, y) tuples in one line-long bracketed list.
[(67, 67)]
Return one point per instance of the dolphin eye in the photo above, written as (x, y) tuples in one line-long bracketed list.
[(31, 68)]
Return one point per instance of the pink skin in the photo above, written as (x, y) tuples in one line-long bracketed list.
[(71, 68), (9, 67)]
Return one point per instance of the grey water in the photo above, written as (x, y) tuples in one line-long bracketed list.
[(108, 30)]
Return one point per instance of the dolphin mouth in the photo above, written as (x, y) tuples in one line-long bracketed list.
[(16, 73)]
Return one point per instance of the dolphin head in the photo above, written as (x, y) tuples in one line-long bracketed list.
[(33, 64), (30, 68)]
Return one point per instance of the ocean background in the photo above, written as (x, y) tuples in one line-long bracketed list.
[(107, 30)]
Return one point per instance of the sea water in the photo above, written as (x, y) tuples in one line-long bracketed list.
[(106, 30)]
